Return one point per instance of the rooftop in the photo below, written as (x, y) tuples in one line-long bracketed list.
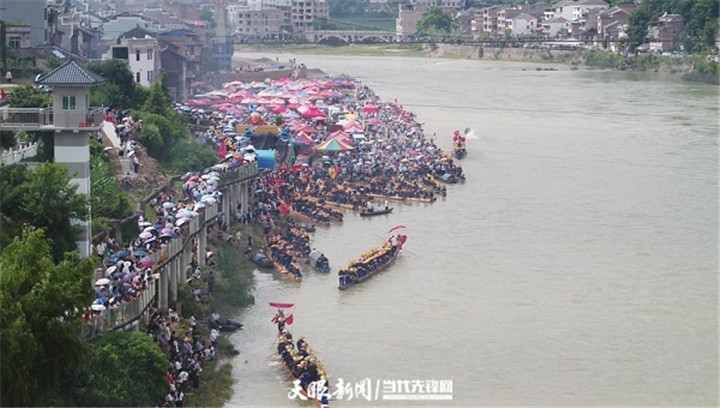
[(70, 73)]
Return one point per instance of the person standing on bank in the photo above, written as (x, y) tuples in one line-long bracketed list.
[(8, 77)]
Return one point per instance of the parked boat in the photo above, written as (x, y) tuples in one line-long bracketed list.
[(224, 324), (318, 261), (369, 213), (261, 260), (371, 262)]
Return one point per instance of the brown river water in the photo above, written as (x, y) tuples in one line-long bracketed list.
[(577, 266)]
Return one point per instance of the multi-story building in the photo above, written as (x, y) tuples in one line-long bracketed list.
[(523, 25), (664, 32), (490, 20), (139, 49), (446, 4), (259, 4), (18, 36), (261, 23), (575, 10), (408, 17), (304, 13), (29, 12)]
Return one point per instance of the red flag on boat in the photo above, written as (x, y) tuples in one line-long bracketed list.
[(280, 306), (395, 228), (3, 96)]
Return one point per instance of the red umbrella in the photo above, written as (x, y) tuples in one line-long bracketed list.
[(370, 108)]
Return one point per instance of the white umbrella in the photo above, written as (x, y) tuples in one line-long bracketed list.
[(181, 221), (145, 224), (110, 270), (102, 281), (98, 308), (145, 235)]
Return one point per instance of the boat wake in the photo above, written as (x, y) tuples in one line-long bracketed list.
[(470, 134)]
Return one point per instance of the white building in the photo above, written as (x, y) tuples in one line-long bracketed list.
[(141, 53), (523, 24)]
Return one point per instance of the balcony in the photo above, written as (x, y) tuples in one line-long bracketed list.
[(48, 119)]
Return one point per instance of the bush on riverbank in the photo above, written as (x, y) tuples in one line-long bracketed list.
[(704, 71), (601, 59)]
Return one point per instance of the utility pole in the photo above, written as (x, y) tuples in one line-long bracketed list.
[(3, 44)]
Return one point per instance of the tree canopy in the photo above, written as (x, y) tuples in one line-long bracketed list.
[(39, 302), (42, 197), (206, 15), (122, 368), (29, 97), (120, 89), (435, 21)]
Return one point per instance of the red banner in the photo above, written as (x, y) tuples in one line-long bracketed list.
[(282, 305)]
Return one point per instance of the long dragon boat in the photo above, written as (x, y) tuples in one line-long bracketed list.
[(302, 365), (370, 263), (407, 199)]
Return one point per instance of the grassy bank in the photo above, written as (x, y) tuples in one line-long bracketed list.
[(233, 284)]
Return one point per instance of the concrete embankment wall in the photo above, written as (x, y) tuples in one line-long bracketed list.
[(504, 54)]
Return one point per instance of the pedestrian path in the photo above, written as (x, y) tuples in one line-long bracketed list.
[(109, 131)]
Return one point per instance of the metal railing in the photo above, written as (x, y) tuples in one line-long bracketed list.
[(128, 312), (47, 118), (234, 176)]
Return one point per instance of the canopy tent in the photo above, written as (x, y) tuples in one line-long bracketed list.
[(266, 159), (333, 145), (302, 138)]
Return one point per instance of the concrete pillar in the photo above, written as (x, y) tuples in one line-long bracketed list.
[(174, 270), (244, 196), (163, 288), (72, 149), (202, 246), (226, 207)]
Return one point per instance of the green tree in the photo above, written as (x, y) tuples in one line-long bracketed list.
[(52, 61), (151, 138), (107, 199), (40, 303), (188, 155), (123, 368), (119, 90), (7, 139), (42, 197), (29, 97), (435, 21), (158, 101), (206, 15)]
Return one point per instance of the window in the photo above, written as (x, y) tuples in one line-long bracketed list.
[(137, 77), (150, 76), (137, 55), (68, 102), (14, 42), (150, 54)]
